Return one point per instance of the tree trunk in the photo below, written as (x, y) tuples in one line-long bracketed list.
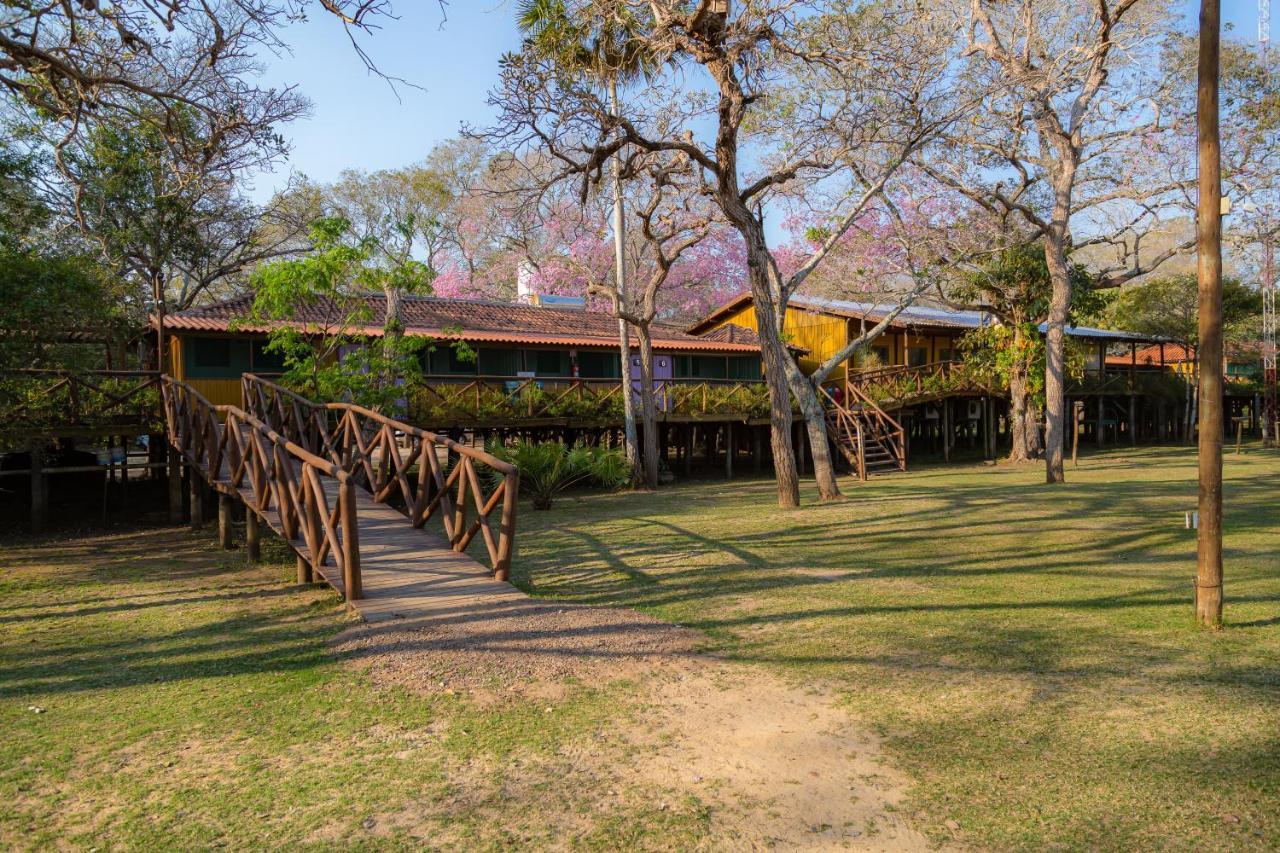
[(815, 421), (1018, 400), (775, 357), (648, 407), (157, 296), (1035, 447), (1055, 341), (620, 283), (1018, 415), (392, 325)]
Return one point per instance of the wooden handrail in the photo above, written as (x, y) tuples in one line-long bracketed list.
[(87, 400), (230, 445), (367, 445)]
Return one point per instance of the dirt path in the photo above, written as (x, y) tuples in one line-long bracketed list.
[(775, 766)]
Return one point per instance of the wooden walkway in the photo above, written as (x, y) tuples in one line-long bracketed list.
[(334, 505)]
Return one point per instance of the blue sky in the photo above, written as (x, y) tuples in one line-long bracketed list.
[(357, 121)]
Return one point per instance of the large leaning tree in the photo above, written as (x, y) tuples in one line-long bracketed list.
[(765, 98)]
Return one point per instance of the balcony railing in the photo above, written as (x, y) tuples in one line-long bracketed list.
[(496, 400)]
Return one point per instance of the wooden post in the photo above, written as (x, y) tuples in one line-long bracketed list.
[(252, 536), (303, 570), (1239, 433), (1209, 278), (197, 499), (757, 455), (124, 475), (1133, 420), (1077, 415), (688, 449), (39, 487), (946, 430), (1102, 413), (351, 538), (729, 449), (224, 522), (174, 471)]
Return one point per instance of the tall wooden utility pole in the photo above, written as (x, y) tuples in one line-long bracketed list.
[(1209, 274)]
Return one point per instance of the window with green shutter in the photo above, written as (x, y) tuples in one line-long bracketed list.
[(499, 362), (551, 362), (262, 361), (598, 365), (216, 358), (445, 362), (709, 366), (744, 367)]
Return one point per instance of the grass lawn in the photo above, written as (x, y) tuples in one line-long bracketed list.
[(1028, 651), (156, 693)]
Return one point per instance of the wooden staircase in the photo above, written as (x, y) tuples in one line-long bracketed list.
[(864, 435)]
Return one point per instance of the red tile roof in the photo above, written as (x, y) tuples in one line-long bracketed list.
[(471, 320), (1177, 353)]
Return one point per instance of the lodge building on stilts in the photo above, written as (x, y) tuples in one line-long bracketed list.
[(551, 371)]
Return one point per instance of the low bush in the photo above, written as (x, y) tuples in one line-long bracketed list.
[(547, 468)]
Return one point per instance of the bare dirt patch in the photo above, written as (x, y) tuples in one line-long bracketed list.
[(778, 766), (775, 766), (533, 648)]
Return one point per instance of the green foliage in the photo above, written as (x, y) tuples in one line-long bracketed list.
[(1168, 308), (548, 468), (40, 401), (334, 360), (22, 212), (1015, 286), (44, 296), (438, 404)]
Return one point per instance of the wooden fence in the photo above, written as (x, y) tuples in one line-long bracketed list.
[(65, 401)]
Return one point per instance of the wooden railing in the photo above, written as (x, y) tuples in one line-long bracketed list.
[(425, 475), (901, 383), (34, 398), (235, 449), (498, 400), (857, 419)]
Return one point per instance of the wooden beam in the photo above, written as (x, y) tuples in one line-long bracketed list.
[(304, 570), (174, 474), (225, 539), (39, 487), (252, 536), (729, 449), (197, 499)]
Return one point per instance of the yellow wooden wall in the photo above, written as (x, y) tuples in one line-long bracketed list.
[(821, 335), (220, 392)]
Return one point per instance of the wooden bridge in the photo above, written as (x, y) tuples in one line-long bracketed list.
[(352, 492)]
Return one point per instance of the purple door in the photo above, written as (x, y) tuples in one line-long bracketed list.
[(663, 371)]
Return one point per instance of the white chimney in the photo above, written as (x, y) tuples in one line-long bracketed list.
[(524, 286)]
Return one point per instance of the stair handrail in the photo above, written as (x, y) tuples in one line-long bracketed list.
[(366, 444), (887, 431)]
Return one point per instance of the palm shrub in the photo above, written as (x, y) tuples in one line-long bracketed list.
[(547, 468)]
